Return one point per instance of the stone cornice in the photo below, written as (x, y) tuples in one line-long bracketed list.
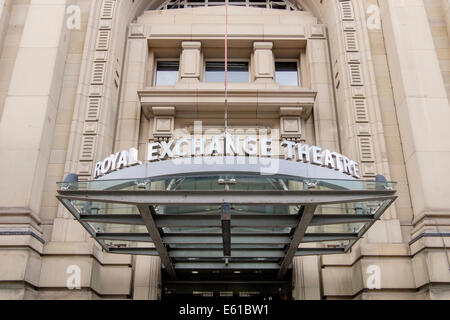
[(19, 216), (197, 99)]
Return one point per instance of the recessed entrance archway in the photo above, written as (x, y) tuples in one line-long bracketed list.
[(291, 200)]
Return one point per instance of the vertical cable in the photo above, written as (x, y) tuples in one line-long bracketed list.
[(226, 78), (226, 215)]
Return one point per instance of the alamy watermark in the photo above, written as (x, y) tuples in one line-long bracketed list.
[(73, 21), (374, 17), (73, 281), (374, 279)]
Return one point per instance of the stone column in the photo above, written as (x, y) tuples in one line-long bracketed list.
[(190, 62), (26, 132), (422, 104), (306, 278), (264, 62), (31, 103), (423, 113), (147, 278)]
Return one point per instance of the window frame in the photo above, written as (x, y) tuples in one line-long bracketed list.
[(203, 78), (155, 71), (299, 75)]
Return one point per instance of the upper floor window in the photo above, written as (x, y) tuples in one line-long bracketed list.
[(269, 4), (237, 71), (167, 73), (286, 73)]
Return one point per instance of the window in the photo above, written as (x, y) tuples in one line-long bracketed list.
[(286, 73), (237, 71), (269, 4), (167, 73), (257, 3)]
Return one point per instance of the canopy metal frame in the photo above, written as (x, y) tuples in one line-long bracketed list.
[(228, 250)]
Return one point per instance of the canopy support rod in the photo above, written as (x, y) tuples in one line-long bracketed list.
[(147, 213), (306, 215)]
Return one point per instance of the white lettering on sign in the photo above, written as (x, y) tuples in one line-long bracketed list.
[(117, 161), (317, 156), (250, 146)]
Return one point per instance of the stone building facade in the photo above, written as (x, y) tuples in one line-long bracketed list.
[(373, 83)]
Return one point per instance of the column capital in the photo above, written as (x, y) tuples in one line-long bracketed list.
[(191, 45), (262, 45)]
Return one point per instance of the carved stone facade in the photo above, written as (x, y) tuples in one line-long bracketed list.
[(373, 85)]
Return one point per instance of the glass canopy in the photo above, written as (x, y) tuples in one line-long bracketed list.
[(227, 222)]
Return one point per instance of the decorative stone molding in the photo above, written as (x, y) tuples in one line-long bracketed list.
[(363, 139), (291, 127), (264, 61), (163, 111), (163, 126), (351, 41), (356, 76), (98, 73), (190, 61), (291, 111), (347, 12), (93, 109), (107, 10), (361, 113), (317, 31), (103, 39), (88, 148), (96, 89), (163, 122), (265, 100), (137, 31)]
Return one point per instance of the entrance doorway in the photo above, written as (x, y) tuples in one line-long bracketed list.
[(227, 285)]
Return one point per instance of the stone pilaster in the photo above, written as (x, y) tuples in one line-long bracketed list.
[(306, 278), (264, 61), (320, 79), (134, 80), (191, 61), (26, 132), (147, 278), (423, 113)]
